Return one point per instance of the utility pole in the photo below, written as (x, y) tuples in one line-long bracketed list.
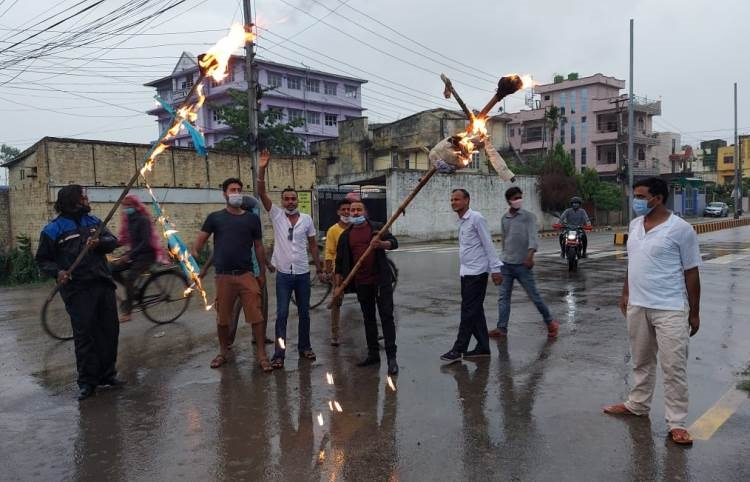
[(737, 164), (631, 130), (251, 76)]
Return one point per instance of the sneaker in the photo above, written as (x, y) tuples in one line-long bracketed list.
[(113, 382), (477, 353), (553, 329), (451, 357), (85, 391), (498, 333), (370, 360)]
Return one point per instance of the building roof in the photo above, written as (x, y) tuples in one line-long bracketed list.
[(590, 80), (266, 63)]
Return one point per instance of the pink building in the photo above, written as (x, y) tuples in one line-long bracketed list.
[(321, 99), (593, 124)]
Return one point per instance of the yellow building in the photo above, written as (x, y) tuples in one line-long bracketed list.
[(725, 161)]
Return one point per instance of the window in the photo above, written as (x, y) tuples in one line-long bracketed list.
[(512, 132), (583, 156), (187, 83), (562, 132), (330, 88), (573, 132), (728, 159), (215, 115), (350, 91), (331, 119), (611, 157), (474, 164), (274, 79), (546, 97), (294, 114), (312, 118), (573, 102), (641, 124), (394, 159), (641, 154), (674, 145), (583, 119), (573, 155), (275, 113), (294, 83), (533, 134), (563, 101), (312, 85), (584, 100)]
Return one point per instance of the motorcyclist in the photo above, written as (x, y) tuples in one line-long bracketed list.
[(574, 217)]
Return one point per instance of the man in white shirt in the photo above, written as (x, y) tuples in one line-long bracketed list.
[(661, 302), (293, 233), (478, 258)]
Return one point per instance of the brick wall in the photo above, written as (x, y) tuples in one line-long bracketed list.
[(95, 164)]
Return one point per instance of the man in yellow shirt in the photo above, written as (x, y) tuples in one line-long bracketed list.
[(332, 241)]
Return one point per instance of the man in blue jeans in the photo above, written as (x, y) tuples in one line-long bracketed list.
[(293, 233), (519, 245)]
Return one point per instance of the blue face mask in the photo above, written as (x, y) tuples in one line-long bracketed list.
[(357, 219), (640, 207), (129, 211)]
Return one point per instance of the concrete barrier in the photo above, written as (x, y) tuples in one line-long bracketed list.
[(719, 225)]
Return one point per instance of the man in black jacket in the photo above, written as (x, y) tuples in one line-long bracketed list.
[(373, 282), (88, 292)]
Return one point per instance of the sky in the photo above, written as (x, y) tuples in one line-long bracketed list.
[(687, 53)]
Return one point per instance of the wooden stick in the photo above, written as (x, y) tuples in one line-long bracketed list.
[(126, 190), (449, 89), (339, 291)]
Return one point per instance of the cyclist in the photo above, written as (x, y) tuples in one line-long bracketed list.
[(144, 249), (575, 217)]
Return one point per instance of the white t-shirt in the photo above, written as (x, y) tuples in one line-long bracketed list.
[(657, 261), (290, 257)]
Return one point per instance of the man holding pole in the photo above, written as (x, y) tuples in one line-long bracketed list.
[(294, 233), (478, 258), (88, 291), (332, 240), (361, 244)]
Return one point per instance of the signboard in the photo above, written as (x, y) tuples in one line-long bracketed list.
[(304, 202)]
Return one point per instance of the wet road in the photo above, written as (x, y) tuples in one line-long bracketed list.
[(530, 412)]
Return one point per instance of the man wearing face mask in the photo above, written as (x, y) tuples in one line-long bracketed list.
[(373, 282), (294, 233), (661, 303), (236, 232), (88, 292), (575, 217), (332, 240), (519, 245)]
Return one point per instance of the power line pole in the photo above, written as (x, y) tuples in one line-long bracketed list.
[(737, 162), (251, 76), (631, 130)]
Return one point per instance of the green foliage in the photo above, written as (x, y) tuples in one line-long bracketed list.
[(608, 196), (588, 182), (557, 182), (532, 165), (552, 116), (273, 134), (8, 152), (18, 265), (560, 158)]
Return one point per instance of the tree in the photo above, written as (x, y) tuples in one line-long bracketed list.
[(608, 196), (273, 134), (6, 154), (588, 183), (557, 182), (552, 116)]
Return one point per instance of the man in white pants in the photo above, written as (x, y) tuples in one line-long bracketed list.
[(661, 302)]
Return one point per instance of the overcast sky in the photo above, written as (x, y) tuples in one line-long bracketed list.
[(688, 54)]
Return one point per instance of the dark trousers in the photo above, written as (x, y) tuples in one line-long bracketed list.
[(126, 274), (371, 297), (473, 321), (96, 329)]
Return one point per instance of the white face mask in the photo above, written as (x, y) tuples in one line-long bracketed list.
[(516, 203), (345, 219), (291, 212), (234, 200)]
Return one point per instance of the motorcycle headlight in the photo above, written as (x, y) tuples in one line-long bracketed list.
[(572, 235)]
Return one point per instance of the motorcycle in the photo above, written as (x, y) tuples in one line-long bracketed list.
[(572, 237)]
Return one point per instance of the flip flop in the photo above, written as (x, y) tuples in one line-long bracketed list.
[(680, 436), (277, 363), (618, 409), (265, 365), (309, 354), (218, 361)]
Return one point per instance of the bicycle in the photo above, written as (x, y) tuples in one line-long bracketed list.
[(159, 294)]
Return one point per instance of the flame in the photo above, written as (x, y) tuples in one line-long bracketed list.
[(528, 81), (322, 456), (320, 419), (329, 378), (215, 62), (282, 345), (391, 384)]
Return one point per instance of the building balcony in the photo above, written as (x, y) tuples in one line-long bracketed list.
[(604, 136), (645, 138), (650, 107), (531, 144)]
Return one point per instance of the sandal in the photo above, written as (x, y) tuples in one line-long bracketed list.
[(618, 409), (277, 363), (680, 436), (218, 361), (265, 365), (309, 354)]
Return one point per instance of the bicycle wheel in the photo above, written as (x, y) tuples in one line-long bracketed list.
[(163, 297), (319, 291), (55, 319)]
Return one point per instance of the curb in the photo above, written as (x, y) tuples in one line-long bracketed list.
[(720, 225)]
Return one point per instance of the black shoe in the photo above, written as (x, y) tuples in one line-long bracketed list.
[(562, 255), (451, 357), (370, 360), (113, 382), (85, 392), (392, 366), (476, 353), (584, 255)]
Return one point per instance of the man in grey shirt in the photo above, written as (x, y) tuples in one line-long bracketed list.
[(574, 217), (519, 246)]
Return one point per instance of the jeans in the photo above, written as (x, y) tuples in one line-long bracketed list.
[(524, 276), (286, 284), (371, 297), (473, 322)]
